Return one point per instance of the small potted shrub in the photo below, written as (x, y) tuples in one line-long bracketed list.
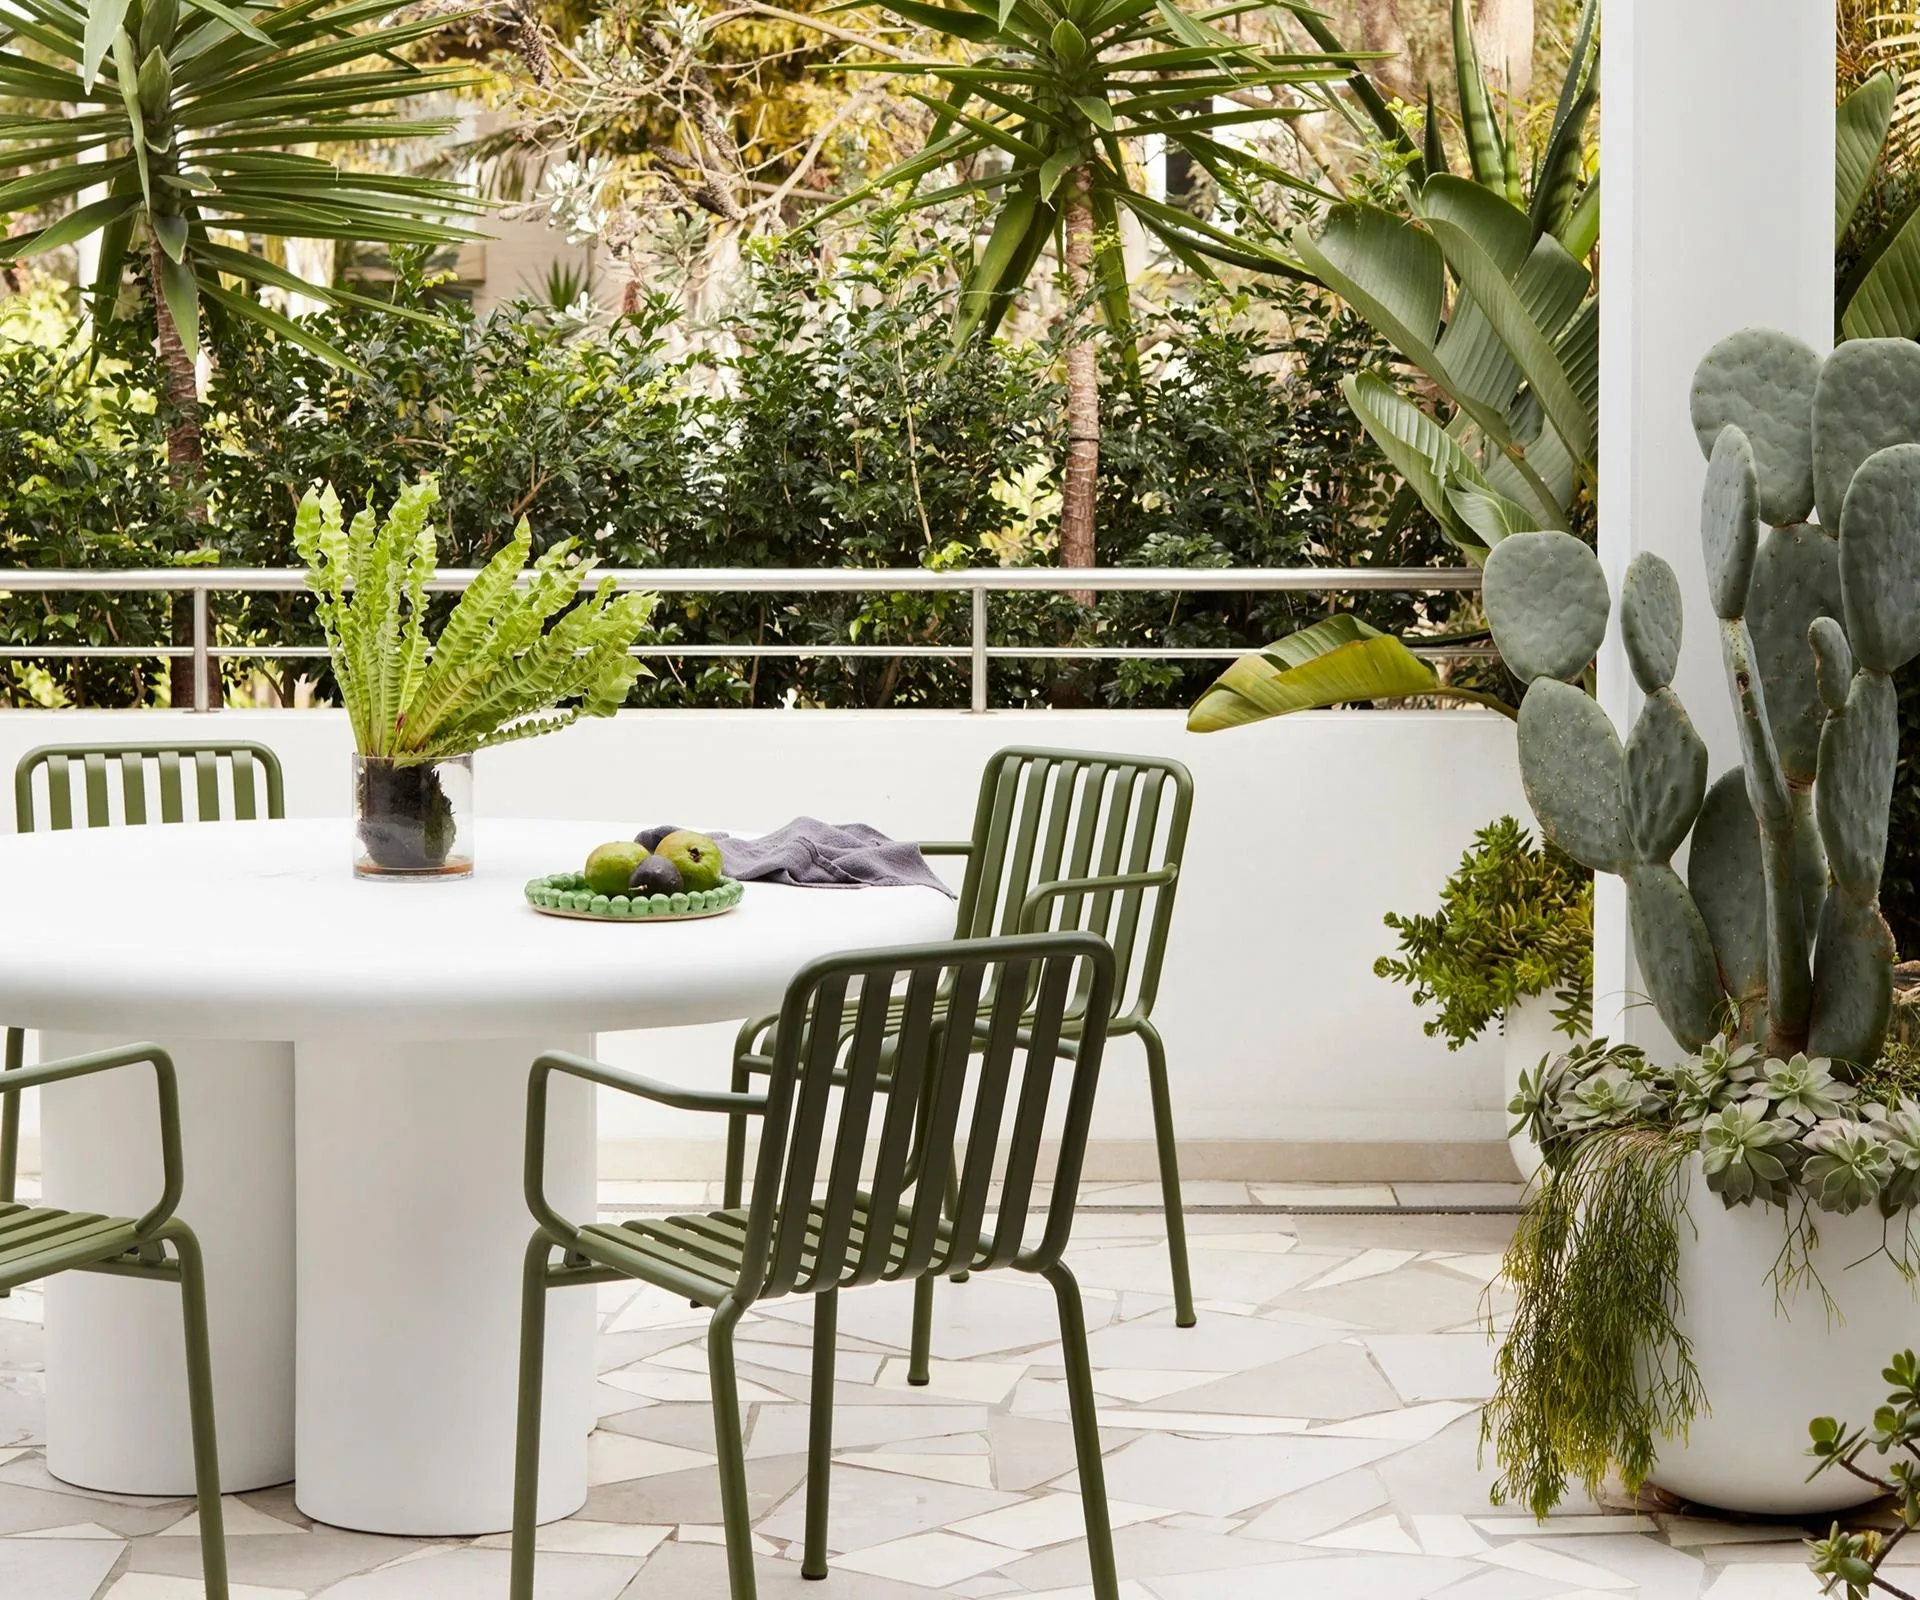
[(518, 657), (1512, 942)]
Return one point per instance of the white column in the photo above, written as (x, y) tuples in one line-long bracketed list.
[(1717, 214), (412, 1230), (116, 1361)]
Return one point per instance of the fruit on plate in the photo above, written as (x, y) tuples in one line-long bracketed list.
[(655, 875), (651, 837), (610, 866), (697, 857)]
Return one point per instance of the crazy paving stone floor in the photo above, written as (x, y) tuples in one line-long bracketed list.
[(1314, 1438)]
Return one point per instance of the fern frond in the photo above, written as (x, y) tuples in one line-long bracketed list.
[(517, 658)]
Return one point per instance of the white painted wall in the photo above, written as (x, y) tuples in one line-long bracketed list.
[(1289, 1058), (1717, 215)]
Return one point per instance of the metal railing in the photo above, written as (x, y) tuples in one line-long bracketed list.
[(977, 582)]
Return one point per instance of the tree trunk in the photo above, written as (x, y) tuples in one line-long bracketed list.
[(1503, 29), (1382, 29), (183, 468), (1080, 484)]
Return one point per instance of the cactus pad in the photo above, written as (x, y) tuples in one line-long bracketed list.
[(1858, 752), (1547, 604), (1763, 383), (1730, 522), (1796, 577), (1570, 763), (1728, 881), (1832, 661), (1880, 559), (1664, 776), (1852, 981), (1676, 955), (1868, 397), (1650, 618)]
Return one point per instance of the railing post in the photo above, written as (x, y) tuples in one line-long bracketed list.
[(979, 648), (201, 657)]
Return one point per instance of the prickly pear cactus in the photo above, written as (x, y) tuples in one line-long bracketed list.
[(1776, 932)]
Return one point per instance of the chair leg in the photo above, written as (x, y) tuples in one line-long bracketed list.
[(526, 1443), (10, 1122), (920, 1350), (921, 1347), (735, 1177), (729, 1447), (1169, 1175), (1086, 1433), (206, 1448), (826, 1319)]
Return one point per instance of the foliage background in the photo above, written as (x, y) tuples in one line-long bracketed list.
[(823, 421)]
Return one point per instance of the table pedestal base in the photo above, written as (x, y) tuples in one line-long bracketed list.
[(412, 1230), (116, 1363)]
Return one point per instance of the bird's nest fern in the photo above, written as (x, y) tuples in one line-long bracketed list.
[(517, 657)]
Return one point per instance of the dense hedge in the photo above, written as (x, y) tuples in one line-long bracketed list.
[(826, 422)]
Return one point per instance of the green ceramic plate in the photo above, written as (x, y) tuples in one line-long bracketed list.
[(565, 894)]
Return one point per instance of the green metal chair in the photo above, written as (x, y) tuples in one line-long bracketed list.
[(902, 1036), (131, 768), (38, 1241), (1069, 838)]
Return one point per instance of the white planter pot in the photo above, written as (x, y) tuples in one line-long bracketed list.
[(1528, 1033), (1770, 1365)]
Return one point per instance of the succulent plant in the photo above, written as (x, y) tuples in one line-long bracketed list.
[(1775, 932)]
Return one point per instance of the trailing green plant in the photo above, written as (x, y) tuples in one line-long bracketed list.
[(1515, 919), (517, 657), (1848, 1562), (1594, 1370)]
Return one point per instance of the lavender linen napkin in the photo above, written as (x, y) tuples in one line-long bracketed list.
[(812, 854)]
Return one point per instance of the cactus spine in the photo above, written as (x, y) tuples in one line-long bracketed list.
[(1776, 934)]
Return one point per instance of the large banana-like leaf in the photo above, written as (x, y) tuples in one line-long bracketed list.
[(1433, 463), (1860, 134), (1341, 661), (1531, 350), (1882, 300)]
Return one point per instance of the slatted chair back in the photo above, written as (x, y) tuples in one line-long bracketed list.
[(1044, 816), (100, 785), (944, 1078)]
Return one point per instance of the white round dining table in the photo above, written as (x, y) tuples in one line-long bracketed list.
[(353, 1061)]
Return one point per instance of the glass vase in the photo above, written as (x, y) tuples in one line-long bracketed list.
[(414, 819)]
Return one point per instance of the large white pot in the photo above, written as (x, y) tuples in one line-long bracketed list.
[(1771, 1363), (1527, 1034)]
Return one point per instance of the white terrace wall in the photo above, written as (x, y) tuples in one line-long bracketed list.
[(1290, 1059)]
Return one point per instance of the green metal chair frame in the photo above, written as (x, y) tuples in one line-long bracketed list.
[(38, 1241), (902, 1035), (253, 766), (1090, 839)]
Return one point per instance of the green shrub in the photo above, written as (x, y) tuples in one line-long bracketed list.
[(1515, 919)]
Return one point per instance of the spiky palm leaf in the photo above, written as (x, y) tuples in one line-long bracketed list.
[(1046, 92), (185, 115)]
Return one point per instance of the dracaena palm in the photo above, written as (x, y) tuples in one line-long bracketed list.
[(1050, 94), (170, 127)]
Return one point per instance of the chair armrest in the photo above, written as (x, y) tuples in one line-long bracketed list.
[(1033, 909), (945, 847), (597, 1072), (166, 1090)]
